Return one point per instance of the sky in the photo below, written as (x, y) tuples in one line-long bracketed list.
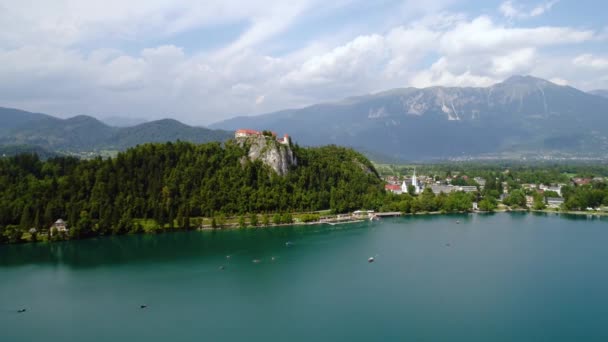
[(204, 61)]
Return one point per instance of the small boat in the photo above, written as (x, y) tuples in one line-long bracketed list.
[(288, 243), (143, 306), (21, 310), (273, 259), (457, 222), (228, 257), (371, 259), (374, 218), (256, 261), (221, 268)]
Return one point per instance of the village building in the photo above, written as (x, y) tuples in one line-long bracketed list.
[(480, 181), (529, 186), (581, 181), (554, 202), (439, 188), (59, 226), (394, 188), (554, 188)]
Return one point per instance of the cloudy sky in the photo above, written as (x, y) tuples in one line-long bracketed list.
[(204, 61)]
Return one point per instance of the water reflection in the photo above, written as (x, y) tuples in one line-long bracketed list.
[(159, 248)]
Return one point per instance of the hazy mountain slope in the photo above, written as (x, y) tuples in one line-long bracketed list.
[(79, 132), (11, 150), (84, 133), (163, 131), (121, 121), (522, 113), (11, 118), (600, 92)]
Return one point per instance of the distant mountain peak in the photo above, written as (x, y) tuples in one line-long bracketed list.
[(524, 80)]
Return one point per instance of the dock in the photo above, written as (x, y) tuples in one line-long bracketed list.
[(389, 214)]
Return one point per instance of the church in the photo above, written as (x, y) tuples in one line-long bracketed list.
[(417, 188)]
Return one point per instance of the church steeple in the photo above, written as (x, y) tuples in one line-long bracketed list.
[(415, 183)]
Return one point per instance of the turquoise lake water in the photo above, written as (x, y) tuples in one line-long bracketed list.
[(501, 277)]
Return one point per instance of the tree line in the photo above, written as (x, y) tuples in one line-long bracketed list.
[(171, 183)]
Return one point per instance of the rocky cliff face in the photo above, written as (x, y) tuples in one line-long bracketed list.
[(278, 156)]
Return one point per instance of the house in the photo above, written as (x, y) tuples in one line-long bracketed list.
[(555, 188), (480, 181), (529, 201), (363, 213), (439, 188), (554, 202), (529, 186), (394, 188), (581, 181), (59, 226), (475, 206), (466, 188)]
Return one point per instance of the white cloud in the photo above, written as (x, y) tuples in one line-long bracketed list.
[(516, 62), (482, 34), (559, 81), (48, 62), (511, 10), (440, 74), (591, 61)]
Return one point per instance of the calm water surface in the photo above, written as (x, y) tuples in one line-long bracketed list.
[(502, 277)]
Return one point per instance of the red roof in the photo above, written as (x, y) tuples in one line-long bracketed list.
[(248, 131), (392, 187)]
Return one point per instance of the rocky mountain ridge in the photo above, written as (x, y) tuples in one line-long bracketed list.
[(521, 114)]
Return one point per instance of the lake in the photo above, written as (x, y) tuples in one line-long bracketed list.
[(500, 277)]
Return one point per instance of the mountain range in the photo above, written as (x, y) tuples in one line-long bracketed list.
[(85, 133), (521, 114)]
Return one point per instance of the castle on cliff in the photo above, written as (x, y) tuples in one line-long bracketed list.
[(248, 133)]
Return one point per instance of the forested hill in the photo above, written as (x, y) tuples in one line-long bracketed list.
[(85, 133), (172, 182)]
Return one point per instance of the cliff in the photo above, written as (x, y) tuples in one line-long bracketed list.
[(278, 156)]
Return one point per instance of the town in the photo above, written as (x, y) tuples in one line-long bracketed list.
[(514, 193)]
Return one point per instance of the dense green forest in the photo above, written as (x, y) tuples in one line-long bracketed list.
[(173, 182), (174, 185)]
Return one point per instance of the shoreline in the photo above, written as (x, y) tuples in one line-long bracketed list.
[(343, 220), (360, 219)]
